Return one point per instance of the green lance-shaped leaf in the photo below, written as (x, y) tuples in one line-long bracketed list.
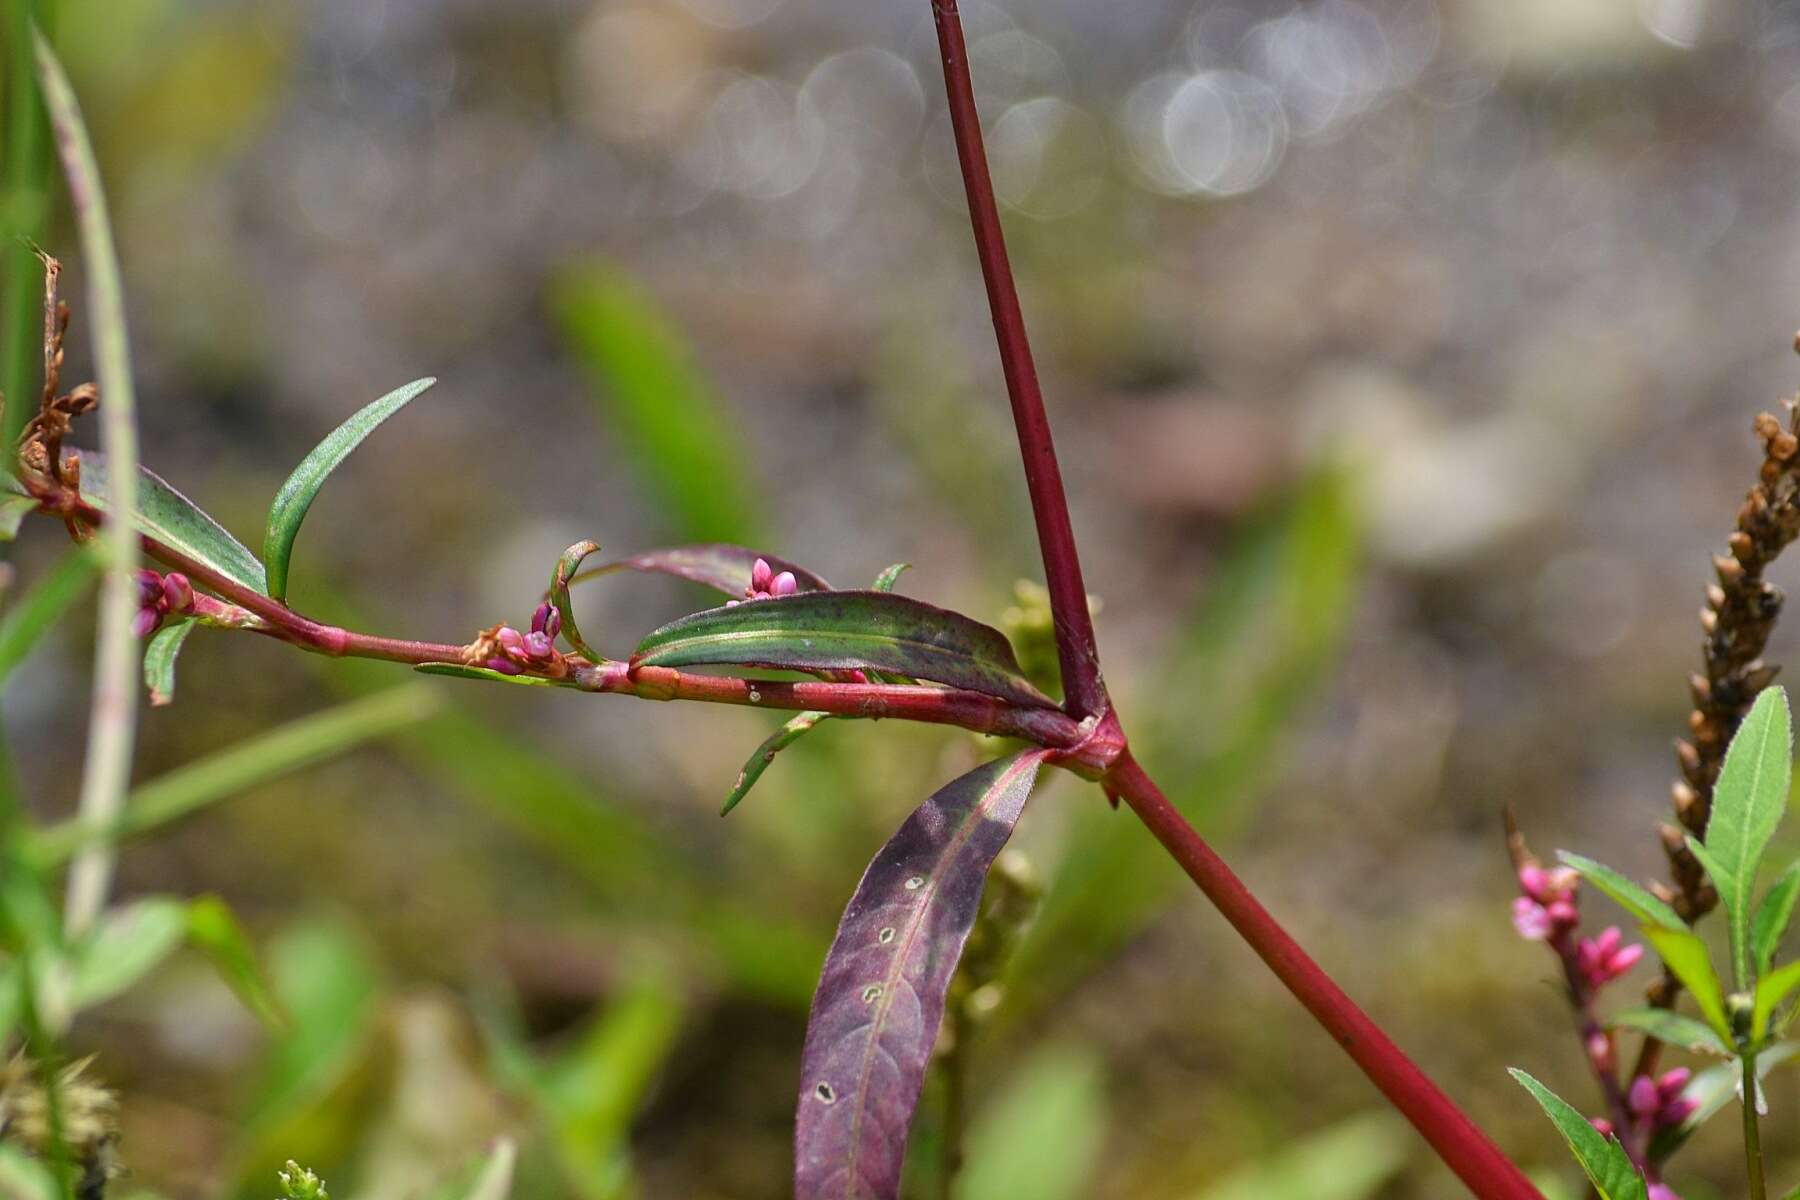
[(127, 944), (1771, 990), (1771, 920), (1747, 805), (40, 608), (875, 1016), (177, 522), (846, 631), (566, 566), (1628, 895), (1685, 954), (213, 929), (296, 495), (159, 660), (1605, 1161), (717, 565), (1673, 1028), (791, 731)]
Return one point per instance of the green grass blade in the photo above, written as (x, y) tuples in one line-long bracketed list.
[(297, 494), (225, 774), (677, 436), (24, 207), (28, 620)]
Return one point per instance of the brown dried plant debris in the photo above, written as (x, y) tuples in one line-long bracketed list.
[(40, 447)]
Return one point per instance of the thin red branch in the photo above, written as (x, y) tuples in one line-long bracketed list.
[(1084, 692), (1465, 1149)]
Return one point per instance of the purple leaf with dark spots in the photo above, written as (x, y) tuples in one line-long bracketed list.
[(718, 565), (846, 631), (875, 1016)]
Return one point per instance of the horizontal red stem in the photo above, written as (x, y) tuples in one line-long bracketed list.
[(1467, 1151)]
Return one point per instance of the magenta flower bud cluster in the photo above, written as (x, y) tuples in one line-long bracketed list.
[(1658, 1103), (1545, 911), (160, 596), (766, 583), (1604, 959), (517, 651)]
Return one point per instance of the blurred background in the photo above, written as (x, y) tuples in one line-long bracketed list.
[(1402, 355)]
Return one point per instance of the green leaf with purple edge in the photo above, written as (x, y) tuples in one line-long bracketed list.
[(1607, 1165), (846, 631), (717, 565), (177, 522), (291, 503), (566, 567), (159, 660), (881, 995)]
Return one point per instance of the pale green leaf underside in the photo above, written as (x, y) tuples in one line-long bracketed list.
[(1604, 1160), (1673, 1028), (296, 495), (1771, 990), (159, 660), (177, 522)]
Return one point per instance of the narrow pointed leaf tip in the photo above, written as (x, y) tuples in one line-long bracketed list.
[(297, 494), (847, 631), (790, 732), (1607, 1166), (717, 565), (159, 661), (1748, 802), (875, 1016)]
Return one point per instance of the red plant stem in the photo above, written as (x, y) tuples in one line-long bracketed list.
[(1084, 692), (1481, 1166), (1048, 727)]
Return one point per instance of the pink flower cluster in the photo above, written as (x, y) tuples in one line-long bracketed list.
[(160, 596), (1657, 1104), (766, 583), (1603, 959), (1546, 909), (517, 651)]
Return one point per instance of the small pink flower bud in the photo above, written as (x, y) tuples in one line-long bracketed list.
[(551, 621), (510, 641), (1563, 913), (537, 646), (1604, 1126), (1662, 1191), (1670, 1083), (177, 592), (1600, 1051), (503, 665), (784, 584), (1643, 1099), (149, 587), (1608, 941), (1533, 880), (1623, 960), (1530, 919), (145, 622), (761, 574), (1675, 1112)]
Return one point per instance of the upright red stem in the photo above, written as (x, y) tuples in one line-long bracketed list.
[(1084, 692), (1487, 1172)]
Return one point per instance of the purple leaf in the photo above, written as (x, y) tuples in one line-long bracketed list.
[(716, 564), (881, 997), (846, 631)]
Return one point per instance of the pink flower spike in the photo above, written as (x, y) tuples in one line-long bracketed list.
[(1530, 919), (1643, 1099), (1608, 941), (177, 592), (784, 584), (761, 573), (145, 622), (1534, 881), (1600, 1052), (1670, 1083)]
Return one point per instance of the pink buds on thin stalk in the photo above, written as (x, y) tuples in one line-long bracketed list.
[(767, 583), (1603, 959), (1546, 909), (160, 596)]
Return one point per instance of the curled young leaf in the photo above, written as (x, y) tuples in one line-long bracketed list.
[(297, 494), (889, 576), (559, 595), (177, 522), (159, 660), (875, 1016), (717, 565), (846, 631), (790, 732)]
